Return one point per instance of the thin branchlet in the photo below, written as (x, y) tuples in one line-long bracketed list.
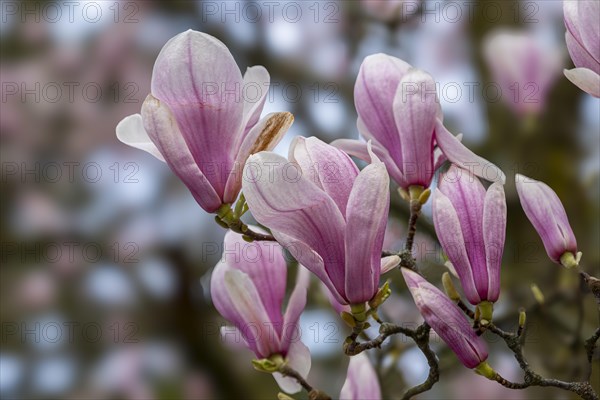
[(422, 340), (531, 378), (313, 393)]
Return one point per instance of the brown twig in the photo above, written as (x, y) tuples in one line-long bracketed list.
[(422, 340), (531, 378), (385, 330), (592, 283), (313, 394), (590, 348), (415, 211)]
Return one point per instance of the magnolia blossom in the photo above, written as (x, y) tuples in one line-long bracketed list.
[(399, 112), (361, 380), (470, 223), (523, 67), (447, 320), (327, 213), (248, 288), (582, 20), (549, 218), (201, 119), (388, 263)]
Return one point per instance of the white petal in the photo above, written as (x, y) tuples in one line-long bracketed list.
[(131, 132), (297, 358)]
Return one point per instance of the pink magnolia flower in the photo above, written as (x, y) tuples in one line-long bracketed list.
[(361, 380), (398, 110), (523, 67), (447, 320), (582, 20), (387, 264), (549, 218), (248, 288), (200, 118), (330, 216), (470, 223)]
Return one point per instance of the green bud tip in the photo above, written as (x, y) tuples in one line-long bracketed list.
[(220, 222), (224, 211), (484, 369), (415, 192), (283, 396), (522, 317), (486, 309), (570, 260), (449, 287), (359, 312), (348, 319), (404, 194), (424, 196), (381, 296), (269, 365), (537, 293)]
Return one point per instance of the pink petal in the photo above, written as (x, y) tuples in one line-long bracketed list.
[(366, 219), (197, 77), (374, 92), (282, 199), (415, 107), (246, 300), (447, 320), (571, 11), (335, 303), (588, 25), (580, 56), (328, 167), (353, 147), (450, 235), (299, 359), (305, 255), (361, 382), (467, 195), (358, 149), (265, 265), (547, 214), (164, 132), (389, 263), (295, 306), (239, 302), (494, 232), (460, 155), (585, 79), (265, 135), (255, 91)]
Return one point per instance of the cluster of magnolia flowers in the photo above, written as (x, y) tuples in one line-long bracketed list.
[(329, 215)]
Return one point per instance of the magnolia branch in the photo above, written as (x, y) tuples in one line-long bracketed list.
[(531, 378), (422, 340), (513, 341), (229, 218), (590, 348), (416, 197), (415, 211), (420, 336), (313, 394), (385, 330), (592, 283)]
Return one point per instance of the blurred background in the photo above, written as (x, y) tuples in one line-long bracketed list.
[(106, 258)]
